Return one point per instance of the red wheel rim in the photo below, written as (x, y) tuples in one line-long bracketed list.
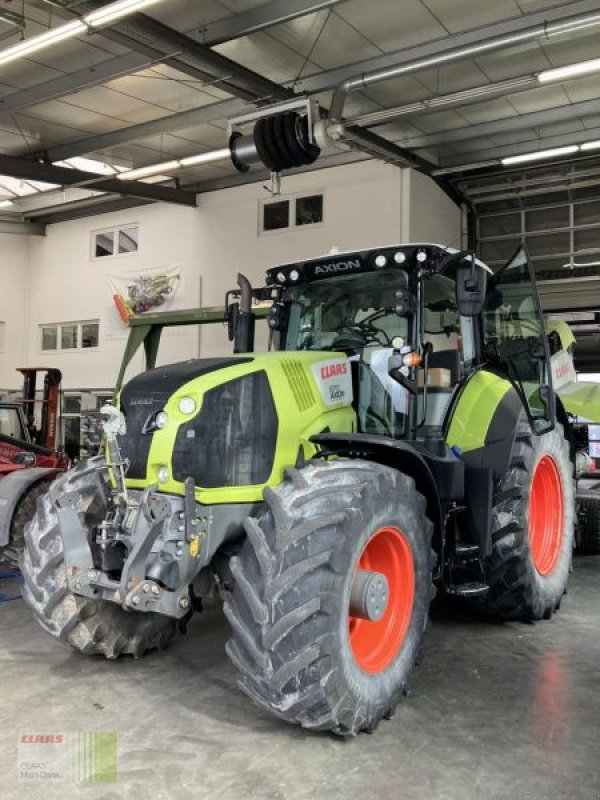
[(376, 644), (546, 518)]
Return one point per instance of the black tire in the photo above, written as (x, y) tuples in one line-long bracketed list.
[(588, 539), (289, 610), (518, 591), (94, 627), (24, 513)]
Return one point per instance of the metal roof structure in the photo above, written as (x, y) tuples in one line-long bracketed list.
[(161, 85)]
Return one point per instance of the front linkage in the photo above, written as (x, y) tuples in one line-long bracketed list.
[(158, 534)]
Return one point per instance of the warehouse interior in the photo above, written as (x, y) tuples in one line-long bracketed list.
[(151, 153)]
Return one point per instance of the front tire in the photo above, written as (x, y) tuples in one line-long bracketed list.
[(94, 627), (298, 650), (533, 521)]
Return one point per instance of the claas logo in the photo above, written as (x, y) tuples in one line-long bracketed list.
[(38, 738), (333, 370)]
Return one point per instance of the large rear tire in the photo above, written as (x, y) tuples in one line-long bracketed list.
[(298, 650), (588, 539), (94, 627), (532, 528)]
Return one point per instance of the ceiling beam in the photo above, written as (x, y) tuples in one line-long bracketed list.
[(143, 34), (79, 209), (259, 19), (63, 176), (533, 119), (21, 227), (233, 27), (315, 83), (137, 133)]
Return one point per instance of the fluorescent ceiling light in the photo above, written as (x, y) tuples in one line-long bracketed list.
[(540, 154), (35, 43), (570, 71), (151, 169), (114, 11), (591, 145), (6, 204), (95, 19)]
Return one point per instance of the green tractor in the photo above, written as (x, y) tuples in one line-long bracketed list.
[(401, 434)]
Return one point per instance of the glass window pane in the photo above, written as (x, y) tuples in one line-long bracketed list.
[(68, 336), (276, 215), (514, 333), (128, 240), (548, 244), (499, 225), (547, 219), (500, 251), (71, 404), (104, 244), (72, 434), (587, 240), (309, 210), (89, 334), (49, 338), (587, 213)]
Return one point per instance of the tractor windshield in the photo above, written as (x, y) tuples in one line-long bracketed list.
[(352, 312)]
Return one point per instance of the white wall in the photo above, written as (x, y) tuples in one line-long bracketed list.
[(366, 204), (431, 216), (14, 286)]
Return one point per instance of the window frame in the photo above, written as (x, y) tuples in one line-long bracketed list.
[(292, 199), (115, 230), (58, 326)]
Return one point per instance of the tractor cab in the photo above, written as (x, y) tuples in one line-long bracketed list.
[(415, 322)]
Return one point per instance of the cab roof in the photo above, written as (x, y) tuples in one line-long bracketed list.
[(403, 256)]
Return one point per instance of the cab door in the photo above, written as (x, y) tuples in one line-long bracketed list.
[(514, 338)]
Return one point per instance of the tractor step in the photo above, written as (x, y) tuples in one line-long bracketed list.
[(467, 552), (472, 589)]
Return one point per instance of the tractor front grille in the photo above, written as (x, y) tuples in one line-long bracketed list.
[(232, 440), (135, 445)]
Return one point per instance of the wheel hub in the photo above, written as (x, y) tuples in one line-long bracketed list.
[(369, 595)]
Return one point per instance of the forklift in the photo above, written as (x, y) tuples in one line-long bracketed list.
[(29, 458)]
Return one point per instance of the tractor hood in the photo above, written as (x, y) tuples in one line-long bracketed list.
[(224, 422), (147, 394)]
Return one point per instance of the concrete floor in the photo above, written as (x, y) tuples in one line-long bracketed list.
[(496, 711)]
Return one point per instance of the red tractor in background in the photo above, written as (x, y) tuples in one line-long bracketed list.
[(29, 460)]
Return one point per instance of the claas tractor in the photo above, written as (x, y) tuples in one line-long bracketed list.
[(400, 435), (29, 460)]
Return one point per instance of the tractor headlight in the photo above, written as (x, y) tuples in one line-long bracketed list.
[(187, 405), (161, 420), (162, 473)]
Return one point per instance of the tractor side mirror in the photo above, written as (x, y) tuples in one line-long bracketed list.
[(471, 286)]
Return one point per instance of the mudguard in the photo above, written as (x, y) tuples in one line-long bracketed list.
[(482, 421), (581, 399), (12, 489)]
